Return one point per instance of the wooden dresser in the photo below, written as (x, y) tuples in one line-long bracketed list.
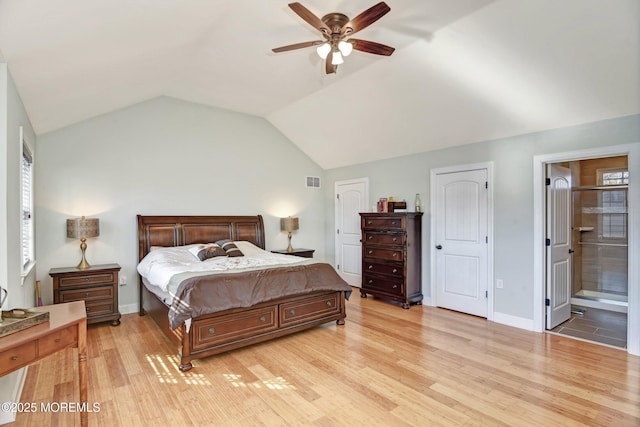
[(392, 256), (97, 286)]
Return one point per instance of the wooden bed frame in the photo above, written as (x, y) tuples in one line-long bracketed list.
[(234, 328)]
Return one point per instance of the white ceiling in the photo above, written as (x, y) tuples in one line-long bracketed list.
[(464, 71)]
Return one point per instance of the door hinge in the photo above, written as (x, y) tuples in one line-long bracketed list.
[(338, 231), (547, 242), (547, 302), (486, 184), (486, 239), (486, 294), (547, 181), (338, 196)]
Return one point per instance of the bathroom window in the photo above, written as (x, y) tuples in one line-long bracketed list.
[(613, 203)]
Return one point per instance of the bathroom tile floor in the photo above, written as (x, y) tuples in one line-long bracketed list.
[(602, 326)]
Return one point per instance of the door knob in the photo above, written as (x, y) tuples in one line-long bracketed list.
[(438, 247), (571, 251)]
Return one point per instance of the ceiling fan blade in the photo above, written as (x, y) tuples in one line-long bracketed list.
[(328, 66), (296, 46), (309, 17), (366, 18), (371, 47)]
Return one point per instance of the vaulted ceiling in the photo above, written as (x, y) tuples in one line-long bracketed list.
[(463, 71)]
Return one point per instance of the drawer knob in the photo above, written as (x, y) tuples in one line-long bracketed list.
[(212, 330), (292, 312), (86, 279), (395, 270), (370, 252), (14, 358), (263, 319), (371, 267), (395, 254), (329, 303), (393, 222), (370, 237), (87, 294), (369, 222), (395, 238), (370, 280), (395, 286)]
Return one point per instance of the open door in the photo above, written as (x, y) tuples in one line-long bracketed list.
[(559, 245), (351, 198)]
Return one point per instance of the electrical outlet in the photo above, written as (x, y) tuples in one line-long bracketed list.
[(123, 280), (499, 284)]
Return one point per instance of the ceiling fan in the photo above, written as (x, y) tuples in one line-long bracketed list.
[(336, 29)]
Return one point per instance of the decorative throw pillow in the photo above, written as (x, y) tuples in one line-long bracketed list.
[(230, 248), (203, 252)]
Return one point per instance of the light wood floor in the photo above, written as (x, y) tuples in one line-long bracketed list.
[(387, 366)]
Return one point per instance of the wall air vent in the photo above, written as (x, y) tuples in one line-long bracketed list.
[(313, 182)]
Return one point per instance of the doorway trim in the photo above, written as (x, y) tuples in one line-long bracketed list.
[(632, 151), (490, 234)]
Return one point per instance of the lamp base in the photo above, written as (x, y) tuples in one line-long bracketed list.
[(83, 262), (290, 248)]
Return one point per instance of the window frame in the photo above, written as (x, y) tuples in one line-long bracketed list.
[(27, 229)]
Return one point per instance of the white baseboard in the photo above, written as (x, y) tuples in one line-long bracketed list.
[(18, 378), (516, 322), (129, 308)]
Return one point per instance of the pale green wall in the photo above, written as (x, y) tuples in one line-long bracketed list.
[(513, 194), (167, 157)]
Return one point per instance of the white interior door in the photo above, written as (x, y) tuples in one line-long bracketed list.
[(461, 237), (352, 197), (559, 247)]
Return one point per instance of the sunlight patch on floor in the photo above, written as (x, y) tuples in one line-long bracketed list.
[(277, 383), (167, 371)]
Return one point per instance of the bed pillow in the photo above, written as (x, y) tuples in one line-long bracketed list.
[(204, 252), (230, 248)]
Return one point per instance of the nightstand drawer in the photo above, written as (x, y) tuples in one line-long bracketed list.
[(88, 280), (88, 294), (18, 356), (59, 340), (98, 308)]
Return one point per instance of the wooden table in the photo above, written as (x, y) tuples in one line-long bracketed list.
[(67, 327)]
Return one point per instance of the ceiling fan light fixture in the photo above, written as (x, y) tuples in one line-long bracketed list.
[(345, 48), (337, 58), (323, 50)]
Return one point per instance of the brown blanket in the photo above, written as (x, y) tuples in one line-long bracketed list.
[(216, 292)]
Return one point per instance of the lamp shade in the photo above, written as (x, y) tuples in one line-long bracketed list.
[(289, 224), (78, 228)]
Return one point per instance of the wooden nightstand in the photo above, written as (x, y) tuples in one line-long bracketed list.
[(97, 286), (304, 253)]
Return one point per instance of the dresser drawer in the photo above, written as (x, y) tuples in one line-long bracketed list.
[(89, 294), (390, 269), (102, 307), (218, 330), (297, 312), (88, 280), (383, 285), (59, 340), (17, 356), (384, 253), (384, 238), (383, 222)]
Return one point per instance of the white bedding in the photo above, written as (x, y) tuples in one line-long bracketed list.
[(161, 264)]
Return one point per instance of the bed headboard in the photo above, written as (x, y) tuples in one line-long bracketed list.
[(185, 230)]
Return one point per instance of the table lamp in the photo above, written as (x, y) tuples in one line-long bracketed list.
[(82, 228), (289, 225)]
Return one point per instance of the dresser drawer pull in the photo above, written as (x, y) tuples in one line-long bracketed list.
[(370, 237), (370, 280), (395, 239), (371, 267), (292, 312), (14, 358), (212, 330), (370, 252), (87, 294), (369, 222), (395, 270), (394, 222), (263, 319), (395, 254), (87, 279), (395, 286), (329, 303)]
